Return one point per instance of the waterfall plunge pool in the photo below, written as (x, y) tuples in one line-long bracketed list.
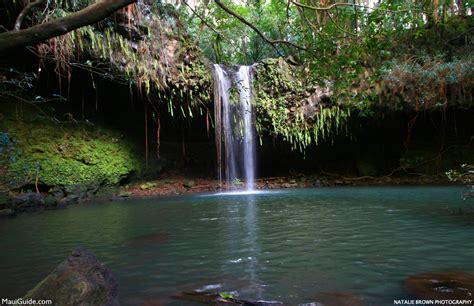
[(294, 246)]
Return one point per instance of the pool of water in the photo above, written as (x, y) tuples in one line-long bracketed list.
[(292, 246)]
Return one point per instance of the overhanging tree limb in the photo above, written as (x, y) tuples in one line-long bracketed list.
[(256, 30), (25, 12), (12, 40), (334, 5)]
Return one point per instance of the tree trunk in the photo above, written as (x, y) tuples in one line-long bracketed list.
[(10, 41)]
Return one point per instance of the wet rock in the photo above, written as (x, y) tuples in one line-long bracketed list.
[(69, 200), (441, 285), (80, 192), (7, 213), (148, 239), (30, 201), (50, 202), (56, 192), (79, 280), (123, 195)]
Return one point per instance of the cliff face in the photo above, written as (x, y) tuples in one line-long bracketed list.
[(142, 75)]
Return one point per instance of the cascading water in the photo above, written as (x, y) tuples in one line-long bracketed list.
[(235, 140)]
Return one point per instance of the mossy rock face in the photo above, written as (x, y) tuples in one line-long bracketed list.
[(67, 155)]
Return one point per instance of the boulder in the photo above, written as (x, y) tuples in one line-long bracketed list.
[(83, 191), (7, 213), (79, 280), (69, 200), (441, 285), (56, 192), (50, 202), (30, 201)]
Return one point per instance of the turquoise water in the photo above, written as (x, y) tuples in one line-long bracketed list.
[(288, 245)]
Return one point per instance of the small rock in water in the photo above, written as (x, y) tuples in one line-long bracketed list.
[(7, 213), (441, 285)]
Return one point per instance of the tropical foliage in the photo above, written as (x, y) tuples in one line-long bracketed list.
[(410, 55)]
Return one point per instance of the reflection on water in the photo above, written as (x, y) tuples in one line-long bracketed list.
[(296, 246)]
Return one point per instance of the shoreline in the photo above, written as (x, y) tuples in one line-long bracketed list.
[(179, 185)]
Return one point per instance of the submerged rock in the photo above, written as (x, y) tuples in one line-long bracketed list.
[(79, 280), (441, 285)]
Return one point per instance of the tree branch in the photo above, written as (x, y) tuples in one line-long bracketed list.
[(202, 19), (25, 12), (256, 30), (328, 7), (348, 4), (12, 40)]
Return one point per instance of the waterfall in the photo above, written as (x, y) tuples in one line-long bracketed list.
[(234, 131)]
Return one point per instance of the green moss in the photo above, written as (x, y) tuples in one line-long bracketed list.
[(67, 154)]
